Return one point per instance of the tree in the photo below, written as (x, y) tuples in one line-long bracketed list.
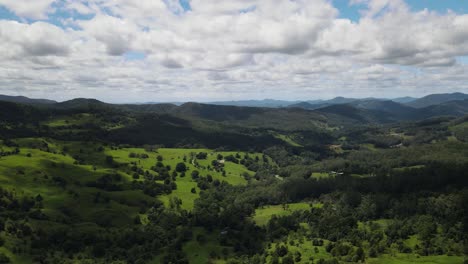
[(201, 155), (195, 174), (39, 198), (281, 250), (4, 258), (360, 255), (110, 160), (288, 259), (426, 229), (298, 256), (181, 167)]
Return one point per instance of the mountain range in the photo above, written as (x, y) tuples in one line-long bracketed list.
[(280, 114)]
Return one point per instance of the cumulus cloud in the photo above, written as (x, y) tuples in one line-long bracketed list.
[(36, 9), (29, 40), (426, 39), (115, 33), (242, 48)]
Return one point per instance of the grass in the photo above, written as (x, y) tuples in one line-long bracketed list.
[(411, 258), (264, 214), (31, 171), (15, 258), (299, 242), (410, 167), (369, 146), (286, 139), (319, 175), (412, 241), (199, 253), (78, 119), (173, 156), (184, 193), (30, 168), (64, 122)]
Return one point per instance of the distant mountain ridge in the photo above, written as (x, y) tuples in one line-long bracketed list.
[(25, 100), (432, 99), (404, 100), (435, 99), (256, 103), (298, 115)]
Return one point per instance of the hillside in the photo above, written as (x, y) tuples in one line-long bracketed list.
[(404, 100), (453, 108), (83, 181), (256, 103), (25, 100), (435, 99), (395, 111)]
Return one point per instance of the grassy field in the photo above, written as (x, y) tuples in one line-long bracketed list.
[(369, 146), (298, 242), (264, 214), (172, 156), (77, 121), (409, 167), (33, 171), (40, 161), (382, 224), (30, 168), (411, 258), (286, 139), (319, 175), (199, 252)]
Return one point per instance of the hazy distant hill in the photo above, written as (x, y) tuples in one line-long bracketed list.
[(435, 99), (395, 111), (264, 117), (311, 105), (404, 100), (256, 103), (303, 115), (25, 100), (307, 104), (453, 108)]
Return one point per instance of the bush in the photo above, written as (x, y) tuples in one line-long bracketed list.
[(181, 167), (201, 155), (4, 258), (195, 174)]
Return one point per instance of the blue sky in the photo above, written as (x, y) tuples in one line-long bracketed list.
[(352, 11)]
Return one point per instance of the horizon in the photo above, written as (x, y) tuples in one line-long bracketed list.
[(192, 50), (234, 101)]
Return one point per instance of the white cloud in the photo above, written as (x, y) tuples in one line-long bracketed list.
[(32, 40), (400, 37), (116, 34), (245, 48), (36, 9)]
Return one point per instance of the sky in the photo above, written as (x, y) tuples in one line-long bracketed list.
[(125, 51)]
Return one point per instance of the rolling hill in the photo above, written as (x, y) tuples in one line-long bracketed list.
[(25, 100), (435, 99)]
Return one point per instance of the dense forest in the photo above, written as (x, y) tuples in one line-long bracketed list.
[(364, 182)]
